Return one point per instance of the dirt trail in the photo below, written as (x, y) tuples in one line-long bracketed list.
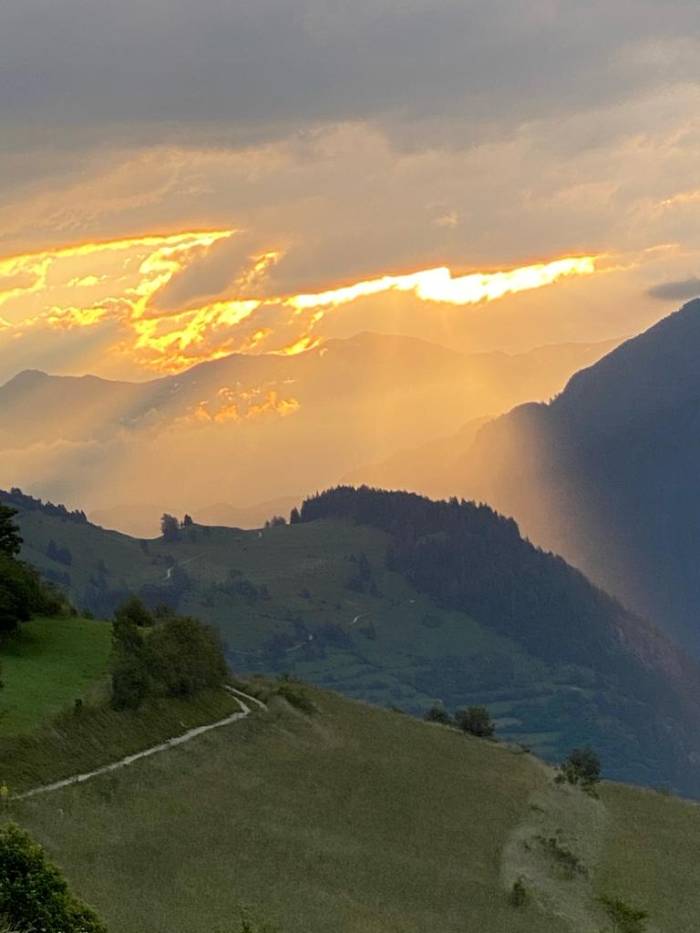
[(153, 750), (555, 850)]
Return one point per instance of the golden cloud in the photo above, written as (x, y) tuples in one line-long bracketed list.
[(119, 279)]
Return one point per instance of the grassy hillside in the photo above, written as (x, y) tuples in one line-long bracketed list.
[(294, 598), (356, 819), (46, 666)]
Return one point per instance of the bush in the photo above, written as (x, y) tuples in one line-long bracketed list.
[(185, 656), (131, 678), (178, 656), (296, 696), (437, 713), (476, 720), (22, 595), (624, 919), (582, 767), (519, 895), (134, 610), (33, 894)]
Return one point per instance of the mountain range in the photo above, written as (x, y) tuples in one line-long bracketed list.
[(247, 429)]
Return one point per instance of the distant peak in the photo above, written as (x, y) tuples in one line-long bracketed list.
[(28, 377)]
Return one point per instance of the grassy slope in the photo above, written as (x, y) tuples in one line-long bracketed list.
[(356, 821), (359, 820), (652, 855), (419, 652), (46, 666)]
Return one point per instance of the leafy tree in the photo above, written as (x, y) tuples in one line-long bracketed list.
[(476, 720), (10, 538), (185, 656), (169, 527), (187, 521), (22, 594), (33, 894), (437, 713), (131, 677), (294, 516), (624, 919), (582, 767), (135, 611), (276, 521)]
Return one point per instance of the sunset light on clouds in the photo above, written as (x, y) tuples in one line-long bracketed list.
[(159, 208), (82, 286)]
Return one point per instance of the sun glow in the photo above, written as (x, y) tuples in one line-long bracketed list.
[(439, 284), (86, 285)]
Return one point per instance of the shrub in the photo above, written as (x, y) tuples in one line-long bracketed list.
[(582, 767), (476, 720), (519, 895), (185, 656), (178, 656), (33, 894), (624, 919), (134, 610), (22, 594), (131, 681), (296, 696), (437, 713)]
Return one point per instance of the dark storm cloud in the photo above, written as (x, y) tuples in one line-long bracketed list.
[(240, 71), (676, 291)]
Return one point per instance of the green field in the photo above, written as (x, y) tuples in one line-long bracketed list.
[(392, 646), (46, 666), (352, 819), (359, 820)]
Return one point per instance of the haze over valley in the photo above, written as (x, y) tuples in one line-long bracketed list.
[(349, 444)]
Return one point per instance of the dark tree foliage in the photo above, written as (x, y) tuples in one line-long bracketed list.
[(169, 527), (23, 594), (15, 497), (469, 558), (439, 714), (276, 521), (582, 766), (171, 656), (187, 521), (133, 610), (294, 516), (186, 656), (476, 720), (10, 538), (33, 894), (130, 663)]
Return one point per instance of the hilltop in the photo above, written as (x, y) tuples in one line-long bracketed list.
[(332, 600)]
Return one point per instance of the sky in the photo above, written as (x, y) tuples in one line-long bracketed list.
[(180, 181)]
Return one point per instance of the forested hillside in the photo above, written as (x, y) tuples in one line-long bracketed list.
[(607, 473), (404, 602)]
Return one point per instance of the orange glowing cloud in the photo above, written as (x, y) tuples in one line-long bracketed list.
[(439, 284), (86, 284)]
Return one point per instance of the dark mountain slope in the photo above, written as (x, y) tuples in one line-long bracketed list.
[(607, 473), (227, 425)]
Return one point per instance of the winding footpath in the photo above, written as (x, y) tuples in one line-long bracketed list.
[(245, 711)]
